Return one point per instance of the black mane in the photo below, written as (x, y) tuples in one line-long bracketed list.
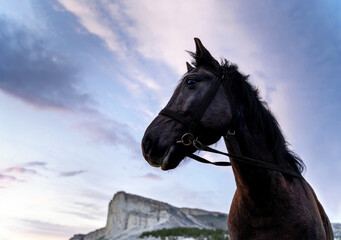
[(256, 112)]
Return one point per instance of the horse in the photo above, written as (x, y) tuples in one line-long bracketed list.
[(213, 100)]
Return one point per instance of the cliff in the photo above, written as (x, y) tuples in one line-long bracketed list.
[(130, 215)]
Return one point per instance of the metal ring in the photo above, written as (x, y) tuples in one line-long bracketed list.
[(186, 139)]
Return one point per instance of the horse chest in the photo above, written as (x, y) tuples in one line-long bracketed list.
[(247, 221)]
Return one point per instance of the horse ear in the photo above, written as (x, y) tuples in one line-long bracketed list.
[(203, 56), (200, 49), (189, 67)]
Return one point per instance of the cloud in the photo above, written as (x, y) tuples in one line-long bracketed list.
[(46, 79), (71, 173), (20, 170), (33, 73), (93, 18), (178, 22), (16, 174), (109, 22), (36, 164), (95, 194), (86, 205), (150, 176), (105, 130), (8, 178), (166, 39), (47, 228), (85, 215), (86, 210)]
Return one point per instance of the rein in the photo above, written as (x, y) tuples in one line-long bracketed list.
[(238, 157), (188, 138)]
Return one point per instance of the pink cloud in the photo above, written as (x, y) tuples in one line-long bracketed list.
[(7, 180), (4, 177), (20, 170)]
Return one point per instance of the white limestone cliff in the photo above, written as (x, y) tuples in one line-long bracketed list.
[(130, 215)]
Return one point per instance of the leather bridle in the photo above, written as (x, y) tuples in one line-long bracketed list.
[(189, 139)]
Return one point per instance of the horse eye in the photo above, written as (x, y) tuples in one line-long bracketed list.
[(191, 82)]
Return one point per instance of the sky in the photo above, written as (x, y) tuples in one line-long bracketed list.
[(81, 80)]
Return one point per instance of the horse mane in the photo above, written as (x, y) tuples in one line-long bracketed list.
[(252, 110), (257, 112)]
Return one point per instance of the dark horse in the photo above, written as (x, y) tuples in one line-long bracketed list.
[(272, 199)]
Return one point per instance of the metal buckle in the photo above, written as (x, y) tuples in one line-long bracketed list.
[(223, 75), (197, 144), (231, 132)]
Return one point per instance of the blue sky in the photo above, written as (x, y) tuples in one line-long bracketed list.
[(81, 80)]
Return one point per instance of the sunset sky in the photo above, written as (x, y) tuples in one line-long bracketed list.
[(81, 80)]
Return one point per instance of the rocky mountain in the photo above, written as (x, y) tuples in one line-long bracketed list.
[(129, 215)]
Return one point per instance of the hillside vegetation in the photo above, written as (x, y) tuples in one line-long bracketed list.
[(197, 233)]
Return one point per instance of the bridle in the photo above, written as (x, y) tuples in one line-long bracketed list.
[(189, 139)]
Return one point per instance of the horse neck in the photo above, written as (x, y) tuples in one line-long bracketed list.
[(251, 180)]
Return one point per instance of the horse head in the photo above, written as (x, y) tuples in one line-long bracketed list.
[(198, 109)]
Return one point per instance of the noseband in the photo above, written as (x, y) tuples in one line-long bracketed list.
[(189, 139)]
